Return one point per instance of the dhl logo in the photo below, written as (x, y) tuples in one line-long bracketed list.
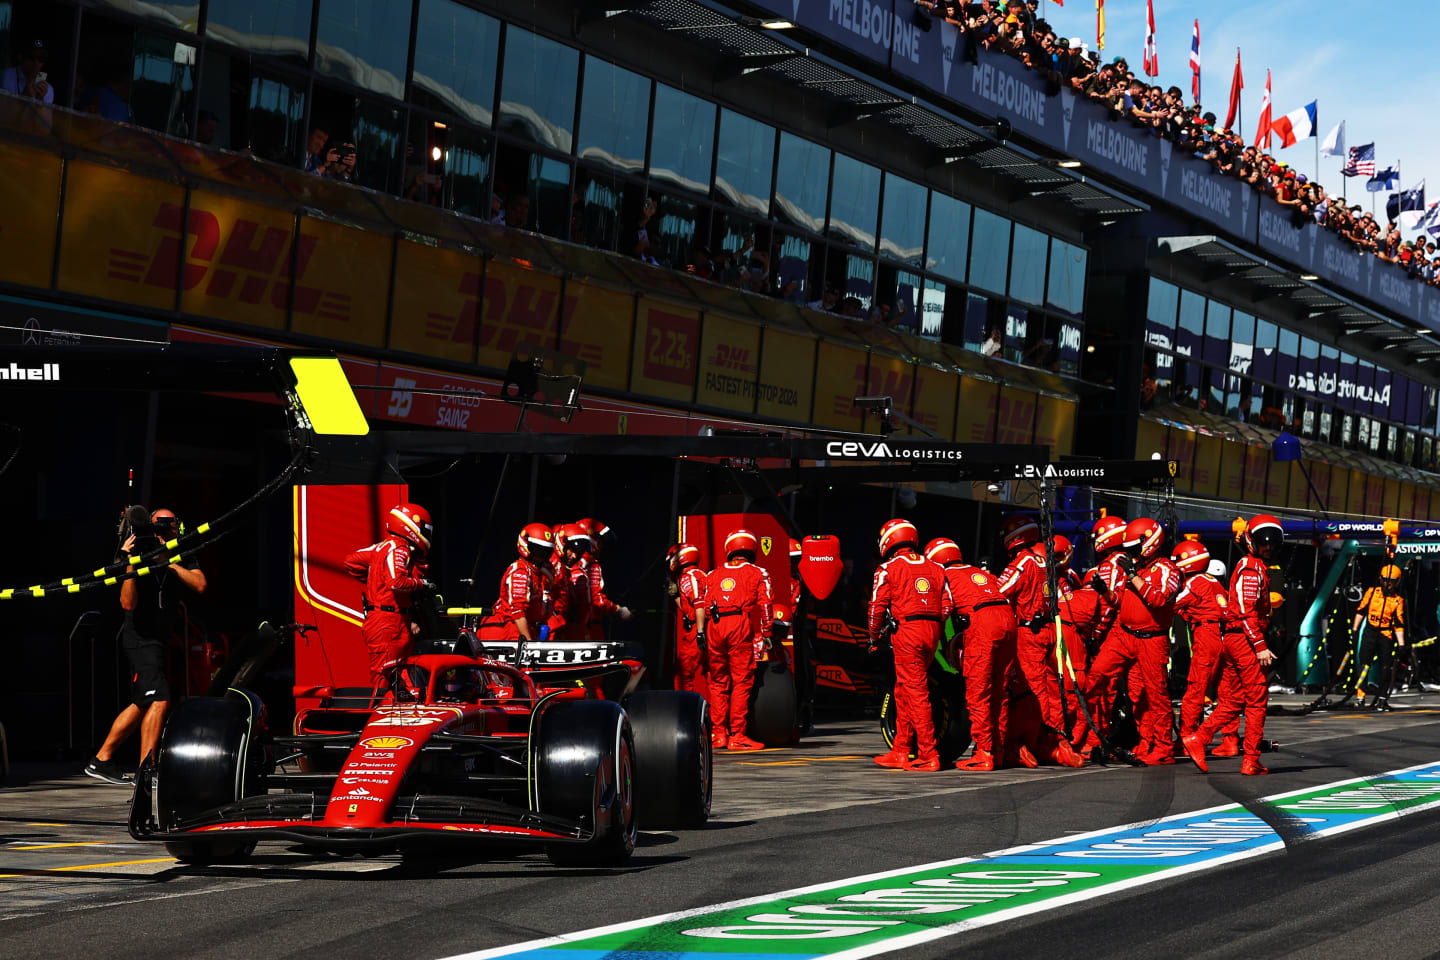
[(1015, 420), (502, 312), (732, 358), (249, 265), (888, 383)]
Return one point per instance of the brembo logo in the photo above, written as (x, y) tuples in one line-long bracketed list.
[(882, 450)]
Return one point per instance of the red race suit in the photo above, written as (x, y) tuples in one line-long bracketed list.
[(391, 573), (570, 608), (1246, 618), (740, 602), (601, 606), (1082, 612), (690, 671), (523, 593), (1024, 583), (1202, 604), (914, 591), (989, 652)]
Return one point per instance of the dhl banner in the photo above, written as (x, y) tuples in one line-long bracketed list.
[(29, 195), (1015, 418), (238, 258), (1277, 484), (353, 295), (1257, 459), (111, 246), (1355, 498), (437, 302), (787, 376), (1182, 445), (1055, 425), (1231, 485), (935, 399), (667, 346), (1424, 497), (595, 326), (1298, 494), (1205, 477), (1392, 498), (1405, 507), (975, 412), (1332, 483), (839, 379), (729, 364), (517, 306), (891, 377), (1374, 495)]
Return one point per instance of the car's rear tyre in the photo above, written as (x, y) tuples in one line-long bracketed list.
[(207, 758), (673, 763), (771, 719), (583, 754)]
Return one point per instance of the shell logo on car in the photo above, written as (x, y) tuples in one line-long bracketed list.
[(387, 743)]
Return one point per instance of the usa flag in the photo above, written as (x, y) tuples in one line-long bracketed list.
[(1361, 162)]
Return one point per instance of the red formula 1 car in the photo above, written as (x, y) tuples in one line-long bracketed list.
[(507, 743)]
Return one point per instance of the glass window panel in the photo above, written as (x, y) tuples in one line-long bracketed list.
[(1217, 334), (1190, 331), (677, 224), (904, 310), (1242, 345), (743, 161), (684, 140), (277, 28), (614, 106), (377, 146), (162, 82), (859, 281), (467, 174), (456, 49), (276, 112), (1392, 442), (1327, 423), (1027, 265), (178, 14), (902, 231), (1164, 301), (1017, 325), (949, 236), (1068, 340), (550, 197), (989, 250), (363, 42), (1262, 363), (802, 182), (1065, 289), (932, 310), (796, 258), (854, 201), (1408, 454), (537, 89), (980, 335)]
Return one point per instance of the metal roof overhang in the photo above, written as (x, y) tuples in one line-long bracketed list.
[(1345, 317), (752, 51)]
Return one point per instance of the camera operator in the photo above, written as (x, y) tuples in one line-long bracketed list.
[(152, 613), (340, 162)]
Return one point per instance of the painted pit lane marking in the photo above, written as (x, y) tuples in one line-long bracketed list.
[(863, 916)]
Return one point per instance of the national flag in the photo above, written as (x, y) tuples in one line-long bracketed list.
[(1195, 62), (1387, 179), (1152, 59), (1296, 125), (1406, 200), (1262, 133), (1334, 144), (1100, 24), (1360, 162), (1429, 221), (1059, 3), (1237, 83)]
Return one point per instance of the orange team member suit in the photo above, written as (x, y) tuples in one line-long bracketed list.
[(986, 625), (1202, 603), (913, 590), (522, 605), (1141, 636), (1244, 654), (392, 570), (601, 606), (737, 630), (690, 673), (570, 607)]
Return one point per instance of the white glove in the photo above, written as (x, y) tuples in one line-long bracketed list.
[(623, 612)]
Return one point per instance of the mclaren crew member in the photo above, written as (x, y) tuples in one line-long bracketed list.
[(521, 607), (985, 627), (737, 631), (601, 606), (1201, 603), (1141, 636), (913, 591), (690, 669), (1381, 615), (1244, 654), (392, 570)]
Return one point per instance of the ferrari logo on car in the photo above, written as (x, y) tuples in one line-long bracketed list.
[(765, 545), (387, 743)]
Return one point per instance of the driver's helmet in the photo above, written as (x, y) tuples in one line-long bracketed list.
[(460, 684)]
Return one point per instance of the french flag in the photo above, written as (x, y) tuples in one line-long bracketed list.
[(1296, 125)]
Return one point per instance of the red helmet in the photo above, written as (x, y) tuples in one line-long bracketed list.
[(1063, 549), (795, 551), (741, 541), (1144, 536), (536, 543), (1263, 530), (1107, 534), (896, 534), (1019, 531), (943, 551), (598, 533), (684, 555), (410, 521), (570, 535), (1191, 556)]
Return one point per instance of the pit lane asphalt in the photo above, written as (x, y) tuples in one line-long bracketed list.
[(73, 882)]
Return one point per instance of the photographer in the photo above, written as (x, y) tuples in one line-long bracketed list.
[(340, 162), (152, 613)]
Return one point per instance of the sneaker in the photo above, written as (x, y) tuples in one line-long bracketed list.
[(108, 771), (894, 760), (1229, 747), (1195, 749), (742, 743), (923, 766)]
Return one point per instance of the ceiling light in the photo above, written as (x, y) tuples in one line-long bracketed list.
[(1068, 164), (438, 125), (1308, 276), (435, 153), (776, 25)]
